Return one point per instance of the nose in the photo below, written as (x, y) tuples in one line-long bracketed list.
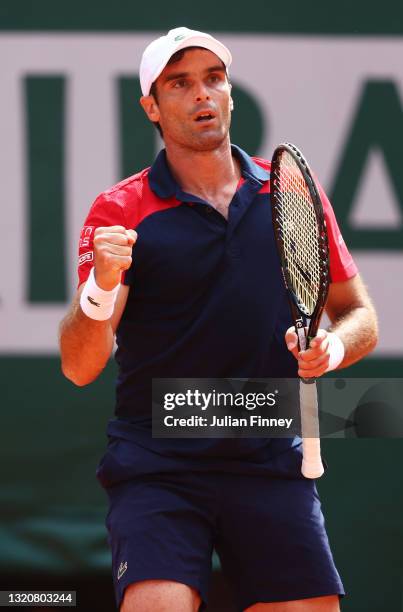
[(201, 92)]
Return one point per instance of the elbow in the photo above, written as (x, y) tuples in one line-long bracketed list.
[(374, 340), (76, 377), (373, 335), (370, 345), (80, 382), (375, 329)]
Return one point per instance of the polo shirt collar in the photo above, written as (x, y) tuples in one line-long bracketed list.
[(164, 185)]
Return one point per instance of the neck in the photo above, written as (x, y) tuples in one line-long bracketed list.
[(203, 172)]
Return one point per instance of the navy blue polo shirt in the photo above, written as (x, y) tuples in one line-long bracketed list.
[(206, 299), (206, 294)]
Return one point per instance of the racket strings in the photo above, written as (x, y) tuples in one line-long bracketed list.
[(299, 233)]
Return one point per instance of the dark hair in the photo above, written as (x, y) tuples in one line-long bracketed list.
[(176, 57)]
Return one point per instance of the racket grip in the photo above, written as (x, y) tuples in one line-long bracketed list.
[(312, 466)]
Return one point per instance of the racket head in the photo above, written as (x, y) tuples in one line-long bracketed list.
[(301, 237)]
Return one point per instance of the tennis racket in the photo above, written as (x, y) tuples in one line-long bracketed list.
[(300, 231)]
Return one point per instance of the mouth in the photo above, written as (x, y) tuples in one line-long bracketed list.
[(205, 116)]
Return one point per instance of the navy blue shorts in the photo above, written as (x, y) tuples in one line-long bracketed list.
[(269, 535)]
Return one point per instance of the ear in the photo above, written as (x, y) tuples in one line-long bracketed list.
[(231, 101), (150, 108)]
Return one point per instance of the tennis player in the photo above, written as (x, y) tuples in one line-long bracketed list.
[(178, 262)]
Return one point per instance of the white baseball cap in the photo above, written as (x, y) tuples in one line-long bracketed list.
[(159, 52)]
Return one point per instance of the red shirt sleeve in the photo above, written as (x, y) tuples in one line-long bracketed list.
[(342, 266), (103, 213)]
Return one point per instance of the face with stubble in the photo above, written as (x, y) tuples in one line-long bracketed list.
[(192, 101)]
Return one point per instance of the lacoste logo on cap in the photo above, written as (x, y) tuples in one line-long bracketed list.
[(122, 569), (179, 37), (92, 301)]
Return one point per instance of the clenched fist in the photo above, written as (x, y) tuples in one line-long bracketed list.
[(112, 254)]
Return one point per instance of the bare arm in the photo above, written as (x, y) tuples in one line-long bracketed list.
[(86, 344), (353, 319)]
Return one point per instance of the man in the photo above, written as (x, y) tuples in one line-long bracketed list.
[(179, 262)]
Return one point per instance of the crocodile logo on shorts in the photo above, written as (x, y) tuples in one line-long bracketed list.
[(122, 569)]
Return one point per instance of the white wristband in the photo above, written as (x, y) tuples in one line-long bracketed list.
[(95, 302), (336, 350)]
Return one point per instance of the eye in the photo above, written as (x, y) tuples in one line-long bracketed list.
[(215, 78), (179, 84)]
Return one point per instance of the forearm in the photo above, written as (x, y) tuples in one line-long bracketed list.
[(85, 345), (358, 330), (353, 321)]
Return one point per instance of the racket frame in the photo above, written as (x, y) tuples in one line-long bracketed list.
[(299, 314)]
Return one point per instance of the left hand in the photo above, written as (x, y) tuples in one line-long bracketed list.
[(313, 362)]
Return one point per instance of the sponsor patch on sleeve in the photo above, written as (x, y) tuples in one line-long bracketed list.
[(85, 237), (89, 256)]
